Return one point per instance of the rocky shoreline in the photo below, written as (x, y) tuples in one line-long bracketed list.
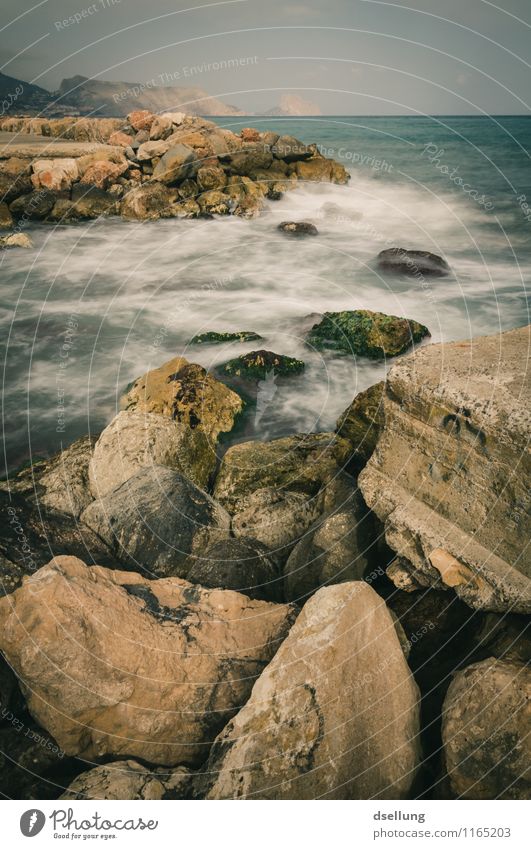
[(332, 615), (146, 168)]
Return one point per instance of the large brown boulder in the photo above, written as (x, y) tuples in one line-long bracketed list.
[(176, 165), (186, 393), (450, 473), (335, 715), (486, 717), (115, 664), (148, 202)]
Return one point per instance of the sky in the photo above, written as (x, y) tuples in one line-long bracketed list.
[(350, 57)]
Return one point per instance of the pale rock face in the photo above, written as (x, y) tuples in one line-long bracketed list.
[(115, 664), (450, 473), (157, 521), (335, 715), (54, 174), (136, 440), (486, 717)]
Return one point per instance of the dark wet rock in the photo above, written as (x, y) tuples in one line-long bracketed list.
[(244, 565), (86, 202), (211, 337), (298, 228), (33, 206), (290, 149), (31, 536), (157, 521), (256, 365), (413, 263), (487, 745), (362, 423), (365, 333)]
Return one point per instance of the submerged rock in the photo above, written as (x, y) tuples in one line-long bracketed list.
[(487, 746), (414, 263), (211, 337), (334, 715), (186, 393), (156, 521), (244, 565), (300, 463), (128, 667), (450, 473), (256, 365), (365, 333), (298, 228)]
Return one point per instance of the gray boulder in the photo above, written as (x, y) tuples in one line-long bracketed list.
[(156, 520), (244, 565), (176, 165)]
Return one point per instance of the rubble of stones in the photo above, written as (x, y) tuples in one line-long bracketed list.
[(153, 166), (328, 615)]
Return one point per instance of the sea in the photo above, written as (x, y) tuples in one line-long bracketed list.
[(92, 306)]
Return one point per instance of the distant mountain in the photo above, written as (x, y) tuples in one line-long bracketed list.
[(292, 104), (104, 99), (17, 96)]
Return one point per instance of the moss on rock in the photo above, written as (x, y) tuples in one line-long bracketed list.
[(257, 364), (211, 337), (366, 333)]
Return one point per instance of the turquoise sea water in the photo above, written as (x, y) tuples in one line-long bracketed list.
[(92, 306)]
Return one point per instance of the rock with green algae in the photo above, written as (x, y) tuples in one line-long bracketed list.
[(365, 333), (256, 365), (212, 337)]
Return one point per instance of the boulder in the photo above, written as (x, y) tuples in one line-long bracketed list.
[(157, 521), (277, 518), (31, 536), (33, 206), (148, 202), (176, 165), (87, 202), (6, 219), (15, 240), (186, 393), (102, 174), (211, 177), (365, 333), (56, 175), (32, 764), (133, 441), (246, 160), (339, 548), (450, 473), (151, 149), (413, 263), (335, 715), (299, 463), (487, 746), (161, 128), (60, 483), (244, 565), (130, 780), (211, 337), (13, 184), (214, 203), (126, 667), (298, 228), (256, 365), (141, 119), (246, 196), (318, 170), (120, 139), (290, 149), (362, 423)]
